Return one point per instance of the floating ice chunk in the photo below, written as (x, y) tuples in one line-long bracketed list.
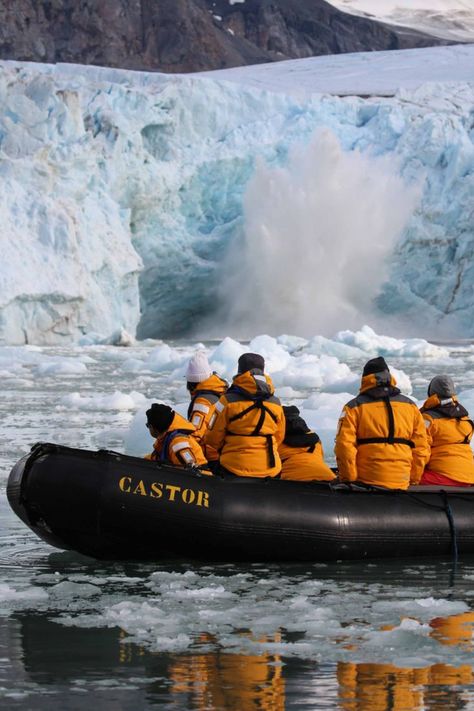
[(172, 644), (63, 366), (321, 412), (115, 401), (120, 337), (410, 634), (425, 608), (292, 343), (371, 343), (276, 357), (403, 380), (163, 358), (286, 393), (137, 441), (132, 365), (70, 589), (310, 371), (319, 345), (9, 594), (224, 358), (206, 593), (466, 397)]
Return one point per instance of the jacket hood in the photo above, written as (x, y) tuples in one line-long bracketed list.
[(178, 423), (449, 407), (384, 380), (443, 386), (214, 383), (254, 382)]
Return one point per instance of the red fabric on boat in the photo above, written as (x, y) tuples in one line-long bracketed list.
[(433, 478)]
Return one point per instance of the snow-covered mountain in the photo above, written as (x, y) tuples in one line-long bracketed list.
[(447, 19), (283, 197), (189, 35)]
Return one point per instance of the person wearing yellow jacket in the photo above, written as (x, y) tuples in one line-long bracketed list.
[(205, 389), (248, 424), (381, 438), (301, 452), (449, 431), (174, 438)]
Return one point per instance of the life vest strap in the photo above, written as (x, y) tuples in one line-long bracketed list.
[(391, 439), (468, 437), (386, 440)]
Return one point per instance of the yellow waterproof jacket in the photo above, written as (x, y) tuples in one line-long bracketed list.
[(247, 426), (178, 445), (449, 431), (304, 463), (381, 437), (202, 406)]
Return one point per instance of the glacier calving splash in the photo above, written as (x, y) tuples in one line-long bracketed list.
[(123, 193)]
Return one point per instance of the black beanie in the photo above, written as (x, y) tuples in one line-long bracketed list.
[(249, 361), (376, 365), (160, 416), (294, 423)]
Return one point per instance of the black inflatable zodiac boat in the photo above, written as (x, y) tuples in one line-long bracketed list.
[(112, 506)]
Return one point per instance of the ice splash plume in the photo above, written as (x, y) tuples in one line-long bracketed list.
[(316, 242)]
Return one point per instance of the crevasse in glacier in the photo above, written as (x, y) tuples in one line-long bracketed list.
[(123, 191)]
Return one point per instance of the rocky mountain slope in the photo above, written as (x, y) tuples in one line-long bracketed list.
[(187, 35)]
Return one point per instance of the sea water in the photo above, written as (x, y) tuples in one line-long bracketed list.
[(191, 635)]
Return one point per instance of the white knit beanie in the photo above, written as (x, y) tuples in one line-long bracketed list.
[(198, 368)]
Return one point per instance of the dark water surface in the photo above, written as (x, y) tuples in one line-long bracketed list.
[(76, 633)]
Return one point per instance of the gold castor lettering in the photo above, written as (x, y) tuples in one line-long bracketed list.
[(140, 489), (124, 484), (156, 490), (203, 499), (172, 489), (188, 496)]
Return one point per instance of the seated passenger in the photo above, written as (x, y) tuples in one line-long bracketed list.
[(381, 438), (301, 452), (205, 389), (248, 424), (174, 441), (449, 432)]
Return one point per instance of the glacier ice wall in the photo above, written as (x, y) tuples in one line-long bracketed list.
[(123, 191)]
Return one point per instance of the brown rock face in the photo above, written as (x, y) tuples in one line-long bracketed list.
[(186, 35)]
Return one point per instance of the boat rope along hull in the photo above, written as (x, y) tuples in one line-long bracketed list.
[(112, 506)]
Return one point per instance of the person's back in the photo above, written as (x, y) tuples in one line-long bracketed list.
[(205, 388), (381, 438), (174, 438), (301, 452), (248, 423), (449, 431)]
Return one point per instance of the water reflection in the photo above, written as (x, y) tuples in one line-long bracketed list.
[(230, 681), (47, 657), (380, 687)]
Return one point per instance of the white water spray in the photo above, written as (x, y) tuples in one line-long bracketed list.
[(317, 237)]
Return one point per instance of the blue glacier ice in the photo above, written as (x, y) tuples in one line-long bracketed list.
[(145, 202)]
